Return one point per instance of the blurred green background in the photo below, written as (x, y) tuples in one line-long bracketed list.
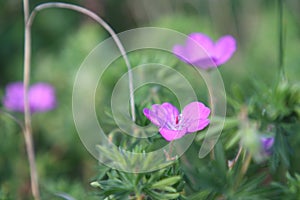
[(61, 41)]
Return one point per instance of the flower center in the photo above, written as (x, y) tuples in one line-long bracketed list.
[(176, 120)]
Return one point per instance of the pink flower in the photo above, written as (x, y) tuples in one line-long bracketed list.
[(173, 125), (200, 51), (41, 97)]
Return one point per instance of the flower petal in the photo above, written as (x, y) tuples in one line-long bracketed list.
[(267, 143), (153, 117), (195, 116), (200, 40), (180, 52), (14, 97), (172, 112), (170, 135), (41, 97), (197, 125), (199, 47), (196, 110), (224, 49), (160, 115), (197, 50), (206, 63)]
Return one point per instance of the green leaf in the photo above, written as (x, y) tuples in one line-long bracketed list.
[(166, 182), (220, 158), (168, 189), (202, 195), (162, 196)]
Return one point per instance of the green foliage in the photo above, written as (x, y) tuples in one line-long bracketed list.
[(255, 107), (217, 181), (4, 195), (268, 112), (278, 105), (166, 183), (63, 189), (291, 190), (276, 113)]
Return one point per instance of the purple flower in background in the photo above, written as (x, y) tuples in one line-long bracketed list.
[(41, 97), (173, 125), (13, 99), (200, 51), (267, 144)]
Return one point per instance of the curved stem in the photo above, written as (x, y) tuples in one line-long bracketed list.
[(13, 118), (105, 26), (28, 19), (27, 128)]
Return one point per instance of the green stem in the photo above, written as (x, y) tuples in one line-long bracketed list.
[(20, 123), (168, 154), (246, 164), (244, 169), (282, 75)]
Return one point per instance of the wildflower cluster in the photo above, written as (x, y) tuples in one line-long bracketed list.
[(41, 97)]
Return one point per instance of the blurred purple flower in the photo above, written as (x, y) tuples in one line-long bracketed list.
[(173, 125), (267, 144), (200, 51), (41, 97)]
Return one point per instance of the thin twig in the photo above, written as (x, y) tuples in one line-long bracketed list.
[(231, 163), (27, 129), (105, 26), (13, 118), (26, 10)]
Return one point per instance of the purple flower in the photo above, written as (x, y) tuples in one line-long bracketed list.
[(267, 144), (200, 51), (173, 125), (41, 97)]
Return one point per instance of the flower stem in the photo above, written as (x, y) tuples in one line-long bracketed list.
[(282, 75), (232, 163), (246, 164), (20, 123), (244, 168), (27, 117), (105, 26)]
